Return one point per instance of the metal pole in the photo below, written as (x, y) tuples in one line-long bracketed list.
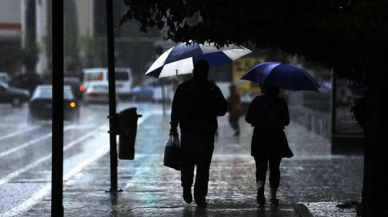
[(57, 116), (112, 95)]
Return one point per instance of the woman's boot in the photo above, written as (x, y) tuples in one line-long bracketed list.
[(187, 195), (260, 193), (274, 200)]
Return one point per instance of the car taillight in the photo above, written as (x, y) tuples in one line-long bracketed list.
[(82, 88), (72, 105)]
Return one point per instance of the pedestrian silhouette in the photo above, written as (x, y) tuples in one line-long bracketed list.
[(268, 114), (234, 109), (196, 105)]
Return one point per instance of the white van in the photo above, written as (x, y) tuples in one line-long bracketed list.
[(123, 77)]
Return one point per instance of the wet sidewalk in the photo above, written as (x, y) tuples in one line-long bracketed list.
[(312, 181)]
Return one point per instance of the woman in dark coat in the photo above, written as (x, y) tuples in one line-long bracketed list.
[(268, 114)]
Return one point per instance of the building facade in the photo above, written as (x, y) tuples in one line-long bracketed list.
[(10, 34)]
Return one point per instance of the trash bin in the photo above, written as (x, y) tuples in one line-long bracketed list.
[(127, 133)]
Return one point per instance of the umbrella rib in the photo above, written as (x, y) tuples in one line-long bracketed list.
[(311, 78)]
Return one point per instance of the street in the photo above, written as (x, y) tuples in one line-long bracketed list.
[(25, 150), (149, 188)]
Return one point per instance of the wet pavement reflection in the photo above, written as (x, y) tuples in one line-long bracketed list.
[(150, 189)]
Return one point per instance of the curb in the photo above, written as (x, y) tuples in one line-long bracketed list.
[(302, 210)]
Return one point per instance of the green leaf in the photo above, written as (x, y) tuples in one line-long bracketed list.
[(151, 23), (161, 25), (143, 28), (125, 18), (127, 2)]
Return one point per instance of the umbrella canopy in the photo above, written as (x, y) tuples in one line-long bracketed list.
[(180, 59), (281, 75)]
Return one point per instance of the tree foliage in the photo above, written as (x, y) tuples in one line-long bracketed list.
[(345, 35), (93, 49), (30, 55)]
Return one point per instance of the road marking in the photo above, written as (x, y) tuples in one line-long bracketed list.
[(27, 144), (40, 160), (19, 132), (30, 202)]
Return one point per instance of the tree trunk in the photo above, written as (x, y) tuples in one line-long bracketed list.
[(375, 184)]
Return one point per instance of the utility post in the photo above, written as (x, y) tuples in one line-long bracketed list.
[(112, 96), (57, 116)]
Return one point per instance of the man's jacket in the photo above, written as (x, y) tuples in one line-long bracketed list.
[(196, 105)]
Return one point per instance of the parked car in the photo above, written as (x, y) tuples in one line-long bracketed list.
[(97, 92), (41, 101), (15, 96), (142, 93), (26, 81), (76, 86)]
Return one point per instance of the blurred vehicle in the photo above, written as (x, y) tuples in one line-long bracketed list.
[(75, 84), (142, 93), (41, 103), (15, 96), (97, 92), (4, 77), (123, 77), (26, 81)]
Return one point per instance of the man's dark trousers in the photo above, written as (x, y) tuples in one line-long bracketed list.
[(197, 150)]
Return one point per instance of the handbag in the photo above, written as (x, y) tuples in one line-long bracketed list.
[(172, 153)]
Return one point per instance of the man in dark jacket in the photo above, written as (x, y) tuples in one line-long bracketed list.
[(195, 107)]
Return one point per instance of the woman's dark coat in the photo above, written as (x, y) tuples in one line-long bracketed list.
[(268, 114)]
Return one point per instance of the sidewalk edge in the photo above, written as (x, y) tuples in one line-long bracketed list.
[(302, 210)]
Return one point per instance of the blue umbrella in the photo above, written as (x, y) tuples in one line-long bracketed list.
[(180, 59), (281, 75)]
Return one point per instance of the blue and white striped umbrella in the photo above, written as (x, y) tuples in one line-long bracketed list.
[(180, 59)]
